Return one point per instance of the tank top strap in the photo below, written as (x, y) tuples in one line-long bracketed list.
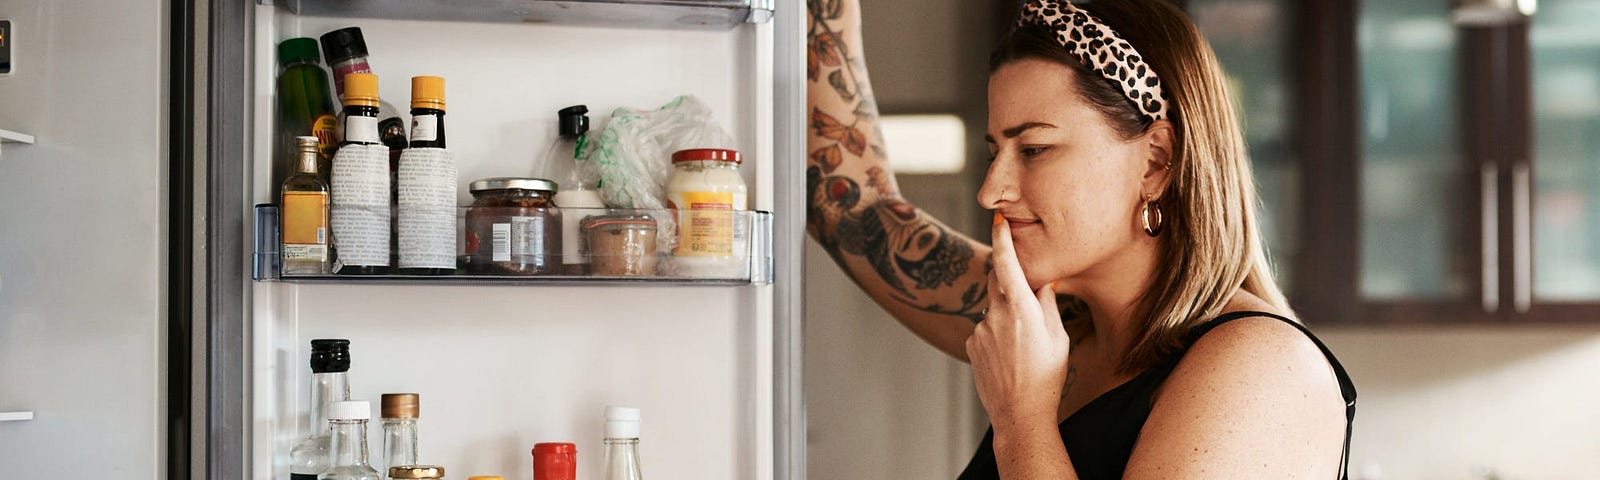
[(1347, 388)]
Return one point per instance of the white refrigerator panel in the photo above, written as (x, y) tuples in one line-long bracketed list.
[(83, 240), (500, 368)]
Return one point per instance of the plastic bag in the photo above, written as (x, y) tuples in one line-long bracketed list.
[(634, 154)]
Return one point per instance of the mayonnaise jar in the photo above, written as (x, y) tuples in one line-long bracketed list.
[(709, 195)]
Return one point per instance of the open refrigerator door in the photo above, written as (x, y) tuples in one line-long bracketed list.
[(502, 362)]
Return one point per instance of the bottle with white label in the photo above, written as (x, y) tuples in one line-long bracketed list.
[(427, 187), (361, 205), (709, 195)]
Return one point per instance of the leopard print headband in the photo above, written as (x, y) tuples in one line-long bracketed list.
[(1100, 49)]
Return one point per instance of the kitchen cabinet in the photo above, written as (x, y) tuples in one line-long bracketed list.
[(1420, 164)]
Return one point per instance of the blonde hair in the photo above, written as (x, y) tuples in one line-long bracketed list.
[(1211, 241)]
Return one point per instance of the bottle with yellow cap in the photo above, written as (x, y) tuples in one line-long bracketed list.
[(361, 203), (427, 187)]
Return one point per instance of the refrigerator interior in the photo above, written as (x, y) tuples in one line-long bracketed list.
[(501, 367)]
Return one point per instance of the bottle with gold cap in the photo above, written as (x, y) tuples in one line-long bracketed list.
[(304, 221), (427, 187), (416, 471), (399, 413), (361, 216)]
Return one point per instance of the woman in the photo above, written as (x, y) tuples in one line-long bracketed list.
[(1120, 182)]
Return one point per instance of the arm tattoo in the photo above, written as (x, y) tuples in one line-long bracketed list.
[(916, 257)]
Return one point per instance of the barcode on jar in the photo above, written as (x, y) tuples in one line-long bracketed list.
[(502, 242)]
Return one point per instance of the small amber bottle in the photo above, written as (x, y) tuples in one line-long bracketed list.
[(304, 221)]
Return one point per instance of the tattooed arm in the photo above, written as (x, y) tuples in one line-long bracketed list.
[(932, 279)]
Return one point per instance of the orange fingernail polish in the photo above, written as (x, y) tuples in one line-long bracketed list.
[(998, 218)]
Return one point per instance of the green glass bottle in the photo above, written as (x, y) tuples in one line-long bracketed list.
[(305, 106)]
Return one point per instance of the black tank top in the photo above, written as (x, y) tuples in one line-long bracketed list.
[(1100, 436)]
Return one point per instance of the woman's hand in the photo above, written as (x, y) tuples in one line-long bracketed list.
[(1019, 351)]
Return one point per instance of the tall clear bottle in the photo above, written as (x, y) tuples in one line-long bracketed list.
[(622, 444), (399, 430), (349, 422), (330, 383), (579, 195)]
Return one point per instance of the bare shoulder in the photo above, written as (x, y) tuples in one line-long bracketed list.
[(1253, 398)]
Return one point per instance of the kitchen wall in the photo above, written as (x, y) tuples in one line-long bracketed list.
[(1457, 403)]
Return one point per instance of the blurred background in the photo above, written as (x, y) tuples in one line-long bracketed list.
[(1430, 180)]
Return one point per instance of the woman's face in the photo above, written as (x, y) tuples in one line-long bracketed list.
[(1069, 185)]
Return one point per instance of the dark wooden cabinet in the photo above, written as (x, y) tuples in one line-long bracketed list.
[(1419, 166)]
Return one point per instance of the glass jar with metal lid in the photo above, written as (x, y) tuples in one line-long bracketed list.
[(513, 227), (416, 471), (621, 245)]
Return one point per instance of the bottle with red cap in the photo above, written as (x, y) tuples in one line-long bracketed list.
[(555, 461), (708, 192)]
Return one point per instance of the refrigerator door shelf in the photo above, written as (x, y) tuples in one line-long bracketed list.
[(7, 136), (15, 416), (756, 239), (671, 14)]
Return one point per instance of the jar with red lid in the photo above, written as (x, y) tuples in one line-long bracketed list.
[(513, 228), (709, 195)]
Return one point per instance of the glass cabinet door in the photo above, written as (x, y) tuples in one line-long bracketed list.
[(1565, 175), (1414, 237), (1250, 38)]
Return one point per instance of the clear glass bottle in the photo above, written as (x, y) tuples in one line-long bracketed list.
[(330, 383), (304, 214), (399, 430), (349, 422), (622, 444), (579, 195)]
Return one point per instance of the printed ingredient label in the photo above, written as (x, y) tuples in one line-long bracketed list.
[(427, 208), (360, 211), (705, 225)]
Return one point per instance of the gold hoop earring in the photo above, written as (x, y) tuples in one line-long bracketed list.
[(1151, 228)]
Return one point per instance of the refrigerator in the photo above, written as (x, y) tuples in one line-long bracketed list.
[(502, 365), (132, 321)]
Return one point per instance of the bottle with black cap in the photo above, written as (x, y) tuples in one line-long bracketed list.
[(346, 51), (330, 365), (579, 195)]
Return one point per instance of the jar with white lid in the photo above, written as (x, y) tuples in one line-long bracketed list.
[(710, 196)]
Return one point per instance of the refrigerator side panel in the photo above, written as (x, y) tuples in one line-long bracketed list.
[(83, 240)]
